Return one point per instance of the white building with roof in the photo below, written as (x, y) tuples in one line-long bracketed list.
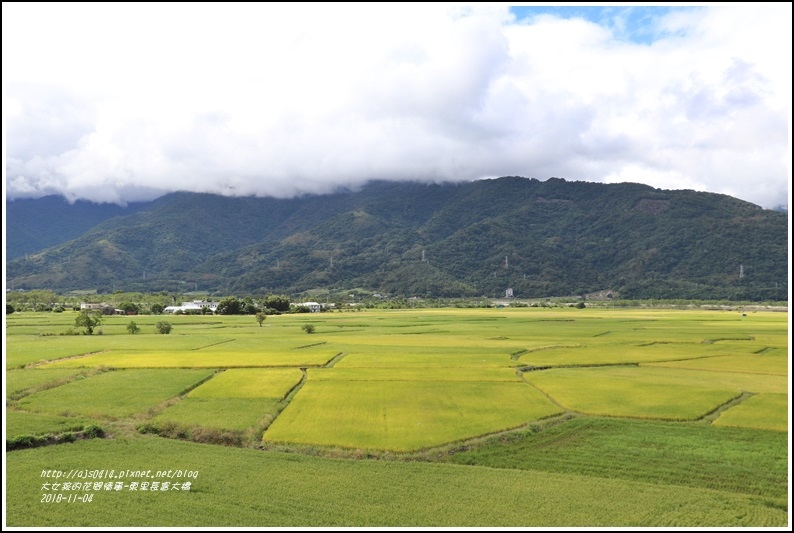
[(196, 306), (314, 307)]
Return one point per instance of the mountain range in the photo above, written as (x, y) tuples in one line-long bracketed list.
[(480, 238)]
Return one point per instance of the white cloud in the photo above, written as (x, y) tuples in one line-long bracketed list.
[(120, 101)]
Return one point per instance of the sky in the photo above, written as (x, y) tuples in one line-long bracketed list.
[(125, 102)]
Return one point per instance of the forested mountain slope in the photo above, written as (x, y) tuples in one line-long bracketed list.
[(540, 238)]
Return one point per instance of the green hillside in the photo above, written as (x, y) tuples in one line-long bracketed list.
[(540, 238)]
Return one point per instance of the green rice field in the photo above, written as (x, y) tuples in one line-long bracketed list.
[(217, 413), (114, 394), (235, 399), (18, 381), (26, 423), (509, 417)]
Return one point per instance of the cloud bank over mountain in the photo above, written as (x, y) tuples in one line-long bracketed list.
[(117, 103)]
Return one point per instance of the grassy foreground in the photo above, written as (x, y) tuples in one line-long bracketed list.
[(239, 487), (739, 460)]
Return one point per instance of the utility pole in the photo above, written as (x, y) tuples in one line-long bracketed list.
[(741, 271)]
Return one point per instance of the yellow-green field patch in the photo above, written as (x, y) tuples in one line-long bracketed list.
[(272, 383), (404, 416), (414, 374), (425, 357), (198, 359), (633, 391), (114, 394), (25, 349), (218, 413), (732, 381), (762, 411), (600, 352), (773, 362)]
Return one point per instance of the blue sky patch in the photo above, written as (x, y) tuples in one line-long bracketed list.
[(637, 24)]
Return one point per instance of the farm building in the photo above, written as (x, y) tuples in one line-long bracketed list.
[(105, 309), (194, 306), (314, 307)]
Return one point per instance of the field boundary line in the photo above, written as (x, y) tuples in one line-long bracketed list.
[(654, 343), (59, 359), (517, 355), (283, 404), (335, 359), (203, 381), (530, 368), (213, 344), (309, 345), (652, 363), (715, 413), (764, 350), (80, 374), (720, 339), (162, 406), (552, 400), (430, 454), (450, 448)]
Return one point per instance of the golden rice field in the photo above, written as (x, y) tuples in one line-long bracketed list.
[(671, 365), (249, 383), (427, 384), (404, 415), (762, 411)]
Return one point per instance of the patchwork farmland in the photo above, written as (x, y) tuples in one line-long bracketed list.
[(609, 417)]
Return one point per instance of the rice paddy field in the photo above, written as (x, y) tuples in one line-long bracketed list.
[(526, 417)]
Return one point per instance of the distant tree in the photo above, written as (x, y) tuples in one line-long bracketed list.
[(279, 302), (229, 306), (9, 309), (88, 319), (133, 328), (41, 299), (260, 317), (163, 327), (580, 305), (308, 328), (248, 307), (130, 308), (157, 309)]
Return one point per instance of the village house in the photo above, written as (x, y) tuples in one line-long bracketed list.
[(313, 307), (196, 306), (103, 308)]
